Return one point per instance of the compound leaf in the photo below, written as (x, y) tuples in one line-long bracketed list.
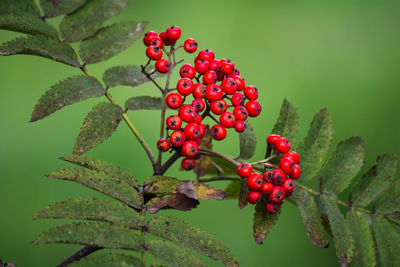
[(233, 189), (247, 140), (19, 7), (176, 201), (387, 241), (40, 45), (110, 41), (389, 201), (262, 221), (54, 8), (130, 75), (343, 165), (108, 260), (191, 237), (99, 181), (99, 124), (143, 102), (287, 122), (66, 92)]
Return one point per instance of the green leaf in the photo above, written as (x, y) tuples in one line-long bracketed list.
[(364, 254), (221, 167), (262, 221), (43, 46), (340, 230), (130, 75), (27, 24), (53, 8), (99, 124), (91, 209), (143, 102), (244, 191), (233, 189), (110, 41), (389, 201), (108, 260), (19, 7), (203, 163), (315, 145), (288, 121), (67, 92), (171, 255), (387, 236), (101, 234), (102, 166), (247, 140), (238, 189), (191, 237), (311, 217), (86, 21), (99, 181), (375, 181), (344, 164)]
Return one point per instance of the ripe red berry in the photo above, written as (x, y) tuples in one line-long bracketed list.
[(218, 132), (174, 100), (255, 181), (296, 173), (214, 92), (162, 65), (201, 66), (199, 90), (278, 177), (190, 149), (218, 107), (157, 41), (237, 99), (154, 52), (177, 138), (148, 37), (187, 71), (174, 122), (202, 129), (273, 138), (244, 170), (266, 188), (163, 145), (187, 113), (272, 208), (188, 164), (240, 113), (198, 105), (235, 72), (209, 77), (228, 85), (282, 145), (254, 108), (268, 176), (240, 84), (190, 45), (173, 33), (287, 165), (227, 119), (165, 40), (240, 126), (192, 131), (206, 54), (227, 67), (215, 64), (293, 155), (253, 197), (277, 194), (198, 119), (185, 86), (251, 92), (288, 186)]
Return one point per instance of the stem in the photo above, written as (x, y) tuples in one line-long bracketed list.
[(264, 160), (148, 75), (168, 163), (218, 178), (79, 255), (211, 152)]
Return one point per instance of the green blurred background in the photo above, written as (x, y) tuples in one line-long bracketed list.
[(343, 55)]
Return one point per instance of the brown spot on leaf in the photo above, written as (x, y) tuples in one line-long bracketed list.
[(176, 201)]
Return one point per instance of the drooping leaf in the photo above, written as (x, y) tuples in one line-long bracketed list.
[(66, 92), (99, 181), (101, 234), (364, 254), (191, 237), (102, 166), (263, 221), (130, 75), (247, 140), (311, 217), (54, 8), (86, 21), (161, 185), (287, 122), (19, 7), (244, 191), (203, 163), (108, 260), (143, 102), (315, 145), (375, 181), (221, 167), (340, 230), (91, 209), (43, 46), (176, 201), (99, 124), (26, 23), (110, 41), (343, 165), (387, 241), (171, 255), (389, 201), (233, 189)]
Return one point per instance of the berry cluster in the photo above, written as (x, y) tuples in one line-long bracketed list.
[(217, 82), (277, 184)]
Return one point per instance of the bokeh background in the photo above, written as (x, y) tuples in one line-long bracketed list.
[(343, 55)]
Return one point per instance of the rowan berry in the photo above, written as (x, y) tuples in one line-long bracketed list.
[(202, 130), (251, 92), (174, 122), (154, 52), (277, 194), (272, 208), (157, 41), (255, 181), (282, 145), (293, 155), (215, 65), (214, 92), (228, 85), (185, 86), (218, 107), (278, 177), (166, 41), (148, 36), (188, 164), (187, 113), (162, 65), (198, 119), (237, 99), (218, 132), (198, 104), (187, 71), (209, 77), (240, 126), (174, 100), (266, 188), (199, 90), (227, 67), (240, 84), (244, 170), (268, 176), (273, 138), (287, 165), (190, 149), (177, 138), (201, 66), (192, 131), (163, 145), (190, 45), (227, 119), (253, 197), (296, 173), (288, 186), (240, 113), (206, 54), (254, 108), (173, 33)]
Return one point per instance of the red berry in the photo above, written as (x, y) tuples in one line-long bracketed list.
[(218, 107), (268, 176), (185, 86), (148, 37), (240, 84), (253, 197), (177, 138), (266, 188), (209, 77), (255, 181), (174, 100), (228, 85), (227, 119), (220, 75), (227, 67), (244, 170), (251, 92), (239, 126), (278, 177), (218, 132), (157, 41), (287, 165), (254, 108), (187, 113), (240, 113), (215, 64), (237, 99), (192, 131), (188, 164), (165, 40), (293, 155), (190, 45), (174, 122), (187, 71), (198, 104), (163, 145), (162, 65), (201, 66), (154, 52), (214, 92), (282, 145), (273, 138), (206, 54), (173, 33), (288, 186), (198, 119), (202, 130), (296, 173), (190, 149), (199, 90), (277, 194), (235, 72), (272, 208)]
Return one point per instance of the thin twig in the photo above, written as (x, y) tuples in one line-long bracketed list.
[(264, 160), (214, 153), (168, 163), (218, 178), (148, 75)]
